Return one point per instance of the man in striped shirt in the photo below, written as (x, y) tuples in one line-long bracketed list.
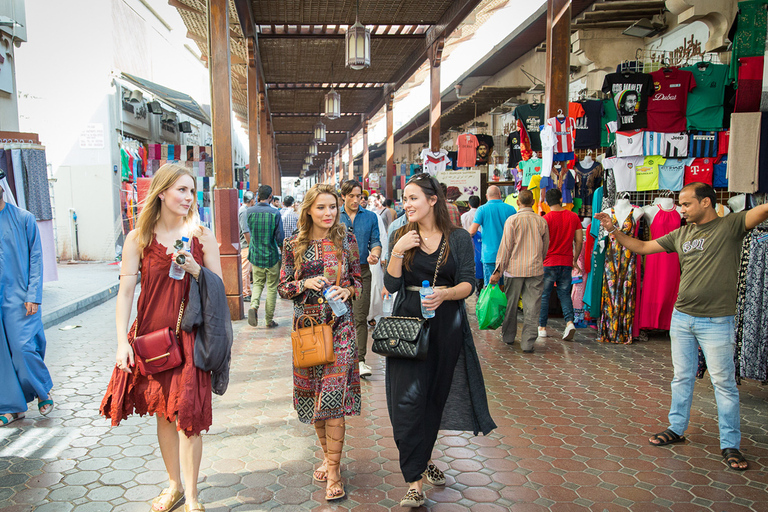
[(521, 254)]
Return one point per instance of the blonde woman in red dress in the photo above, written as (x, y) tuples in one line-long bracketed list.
[(180, 398)]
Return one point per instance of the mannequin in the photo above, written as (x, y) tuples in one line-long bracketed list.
[(587, 162), (623, 207), (722, 210), (737, 203), (666, 203)]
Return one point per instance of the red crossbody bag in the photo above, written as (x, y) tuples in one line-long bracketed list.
[(159, 350)]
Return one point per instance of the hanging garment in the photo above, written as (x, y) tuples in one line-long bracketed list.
[(594, 288), (662, 276), (619, 287), (37, 191), (18, 178), (751, 317)]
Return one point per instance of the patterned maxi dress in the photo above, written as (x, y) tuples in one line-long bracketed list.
[(182, 393), (330, 391), (619, 288)]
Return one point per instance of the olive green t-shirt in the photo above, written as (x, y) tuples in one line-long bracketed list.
[(709, 264)]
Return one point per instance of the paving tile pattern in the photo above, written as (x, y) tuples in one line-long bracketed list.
[(573, 425)]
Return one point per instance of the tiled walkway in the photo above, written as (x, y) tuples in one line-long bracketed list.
[(573, 425)]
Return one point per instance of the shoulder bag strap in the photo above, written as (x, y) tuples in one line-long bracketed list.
[(439, 259)]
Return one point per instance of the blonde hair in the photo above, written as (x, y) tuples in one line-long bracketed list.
[(163, 179), (336, 234)]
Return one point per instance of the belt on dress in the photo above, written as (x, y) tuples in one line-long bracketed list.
[(418, 288)]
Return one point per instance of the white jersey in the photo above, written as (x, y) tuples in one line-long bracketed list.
[(434, 162), (629, 143), (668, 145), (624, 173)]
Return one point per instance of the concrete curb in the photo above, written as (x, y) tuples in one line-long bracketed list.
[(78, 306)]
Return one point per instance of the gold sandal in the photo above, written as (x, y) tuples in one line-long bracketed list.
[(196, 508), (167, 499)]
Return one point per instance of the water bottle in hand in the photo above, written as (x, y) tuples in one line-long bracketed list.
[(424, 292), (388, 303), (337, 305), (176, 272)]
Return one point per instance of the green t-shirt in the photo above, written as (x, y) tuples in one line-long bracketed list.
[(705, 101), (709, 264), (532, 117), (609, 114), (647, 174), (530, 168)]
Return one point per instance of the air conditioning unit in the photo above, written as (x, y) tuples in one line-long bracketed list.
[(185, 127)]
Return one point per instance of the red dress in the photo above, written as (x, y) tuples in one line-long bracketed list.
[(183, 393)]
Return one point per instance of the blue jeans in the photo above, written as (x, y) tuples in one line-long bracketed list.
[(561, 276), (488, 269), (717, 340)]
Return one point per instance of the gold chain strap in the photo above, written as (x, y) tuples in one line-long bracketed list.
[(439, 259)]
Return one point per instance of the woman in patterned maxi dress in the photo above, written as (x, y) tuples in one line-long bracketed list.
[(324, 395)]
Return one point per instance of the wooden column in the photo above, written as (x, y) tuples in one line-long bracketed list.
[(225, 199), (266, 144), (366, 163), (390, 151), (277, 188), (351, 170), (253, 117), (558, 56), (435, 54)]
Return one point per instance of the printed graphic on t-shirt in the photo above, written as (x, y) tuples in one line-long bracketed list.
[(700, 169), (693, 245), (630, 93)]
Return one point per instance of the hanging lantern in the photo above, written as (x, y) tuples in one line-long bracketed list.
[(308, 160), (313, 149), (320, 132), (358, 41), (332, 105)]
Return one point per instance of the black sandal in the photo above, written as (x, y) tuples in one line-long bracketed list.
[(669, 436), (733, 456)]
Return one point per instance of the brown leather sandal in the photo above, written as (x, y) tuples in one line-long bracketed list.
[(335, 488)]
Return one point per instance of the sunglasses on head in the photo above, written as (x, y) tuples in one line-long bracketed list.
[(424, 176)]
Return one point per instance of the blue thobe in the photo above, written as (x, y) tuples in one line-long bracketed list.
[(23, 374)]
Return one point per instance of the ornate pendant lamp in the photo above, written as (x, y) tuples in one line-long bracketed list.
[(358, 45), (319, 132), (332, 104), (308, 161), (313, 149)]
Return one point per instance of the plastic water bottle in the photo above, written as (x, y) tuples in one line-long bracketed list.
[(388, 303), (337, 305), (176, 271), (424, 292)]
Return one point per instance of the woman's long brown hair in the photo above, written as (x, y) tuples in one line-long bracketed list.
[(431, 188), (336, 234)]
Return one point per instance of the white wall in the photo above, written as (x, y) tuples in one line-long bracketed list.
[(12, 10), (65, 82)]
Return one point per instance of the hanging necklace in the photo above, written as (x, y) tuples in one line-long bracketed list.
[(425, 238)]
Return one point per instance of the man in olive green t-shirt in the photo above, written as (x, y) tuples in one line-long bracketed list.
[(709, 248)]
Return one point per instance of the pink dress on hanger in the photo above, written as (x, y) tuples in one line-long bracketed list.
[(661, 278)]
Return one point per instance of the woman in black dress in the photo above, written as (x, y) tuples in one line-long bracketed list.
[(418, 391)]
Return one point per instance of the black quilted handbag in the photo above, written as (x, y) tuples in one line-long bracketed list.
[(403, 337)]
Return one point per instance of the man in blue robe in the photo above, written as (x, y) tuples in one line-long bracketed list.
[(23, 374)]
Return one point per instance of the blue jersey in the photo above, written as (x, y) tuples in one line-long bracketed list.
[(720, 178), (702, 144)]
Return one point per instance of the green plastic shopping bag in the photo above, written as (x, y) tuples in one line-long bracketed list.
[(491, 306)]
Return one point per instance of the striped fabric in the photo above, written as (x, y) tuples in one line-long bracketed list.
[(523, 245)]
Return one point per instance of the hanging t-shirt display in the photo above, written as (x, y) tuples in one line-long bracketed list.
[(609, 115), (532, 117), (467, 143), (723, 141), (630, 93), (667, 104), (702, 144), (673, 145), (588, 125), (699, 169), (750, 84), (720, 175), (563, 129), (515, 155), (624, 173), (705, 101), (647, 174), (530, 168), (575, 110), (629, 143), (671, 174), (484, 149), (434, 162)]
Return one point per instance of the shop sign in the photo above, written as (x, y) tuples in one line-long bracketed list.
[(684, 44), (465, 183), (92, 137)]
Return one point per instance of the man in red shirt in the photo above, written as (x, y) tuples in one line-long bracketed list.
[(565, 241)]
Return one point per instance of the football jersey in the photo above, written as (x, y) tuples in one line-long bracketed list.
[(668, 145), (699, 169), (668, 101), (629, 143), (671, 174), (625, 174), (647, 174), (467, 150), (723, 141), (564, 133), (720, 176), (702, 144)]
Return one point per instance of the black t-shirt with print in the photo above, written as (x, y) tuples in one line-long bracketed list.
[(513, 141), (630, 93), (484, 148), (532, 117)]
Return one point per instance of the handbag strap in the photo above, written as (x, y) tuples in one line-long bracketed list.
[(439, 259)]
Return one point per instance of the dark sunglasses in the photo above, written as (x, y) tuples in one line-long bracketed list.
[(424, 176)]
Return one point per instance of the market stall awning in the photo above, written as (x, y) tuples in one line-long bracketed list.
[(183, 102), (482, 101)]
